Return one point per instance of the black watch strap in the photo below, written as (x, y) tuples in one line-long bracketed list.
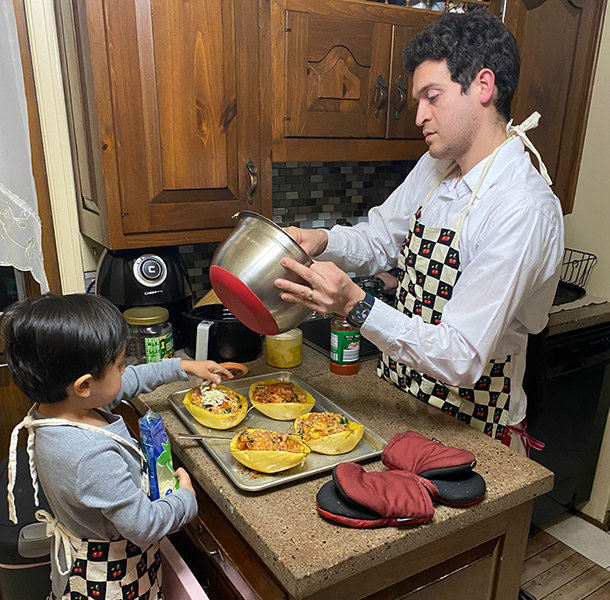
[(359, 313)]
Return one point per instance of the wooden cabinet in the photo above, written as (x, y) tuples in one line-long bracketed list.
[(178, 109), (339, 89), (164, 110), (337, 75), (559, 42), (346, 78)]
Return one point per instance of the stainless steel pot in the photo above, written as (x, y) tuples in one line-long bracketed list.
[(252, 254)]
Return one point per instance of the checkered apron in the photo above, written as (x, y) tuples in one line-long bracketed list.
[(96, 569), (429, 267)]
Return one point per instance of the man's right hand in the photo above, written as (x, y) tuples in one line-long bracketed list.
[(313, 241)]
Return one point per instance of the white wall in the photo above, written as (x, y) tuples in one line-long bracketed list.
[(588, 229)]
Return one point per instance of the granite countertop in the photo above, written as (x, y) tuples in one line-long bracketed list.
[(579, 318), (307, 553)]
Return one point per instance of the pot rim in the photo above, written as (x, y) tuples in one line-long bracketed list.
[(248, 213)]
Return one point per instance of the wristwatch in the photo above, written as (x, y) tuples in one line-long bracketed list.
[(358, 315)]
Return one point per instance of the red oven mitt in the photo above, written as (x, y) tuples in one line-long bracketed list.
[(449, 468), (364, 500)]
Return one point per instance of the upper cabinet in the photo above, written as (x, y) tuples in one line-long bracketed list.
[(164, 107), (338, 87), (558, 42), (177, 110), (345, 77)]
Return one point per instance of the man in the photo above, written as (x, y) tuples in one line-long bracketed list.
[(475, 231)]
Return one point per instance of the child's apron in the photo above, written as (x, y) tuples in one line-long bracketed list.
[(96, 569)]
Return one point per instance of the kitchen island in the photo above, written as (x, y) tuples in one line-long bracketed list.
[(473, 553)]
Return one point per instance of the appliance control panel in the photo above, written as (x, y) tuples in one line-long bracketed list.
[(150, 270)]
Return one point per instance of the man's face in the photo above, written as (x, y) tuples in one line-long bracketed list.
[(448, 118)]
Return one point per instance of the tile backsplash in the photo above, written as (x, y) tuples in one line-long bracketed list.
[(313, 195)]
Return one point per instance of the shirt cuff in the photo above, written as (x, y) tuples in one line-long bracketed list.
[(384, 325), (332, 248)]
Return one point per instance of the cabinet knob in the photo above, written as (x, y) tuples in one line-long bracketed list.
[(402, 97), (381, 94), (252, 173)]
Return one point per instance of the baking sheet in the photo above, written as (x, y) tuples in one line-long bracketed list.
[(370, 446)]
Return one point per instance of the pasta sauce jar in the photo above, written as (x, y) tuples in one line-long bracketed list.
[(344, 347)]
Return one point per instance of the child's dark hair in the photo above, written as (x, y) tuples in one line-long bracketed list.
[(51, 341), (470, 42)]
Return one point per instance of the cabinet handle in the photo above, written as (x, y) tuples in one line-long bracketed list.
[(252, 172), (402, 96), (381, 95), (216, 552)]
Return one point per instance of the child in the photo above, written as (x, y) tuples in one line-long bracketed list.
[(66, 354)]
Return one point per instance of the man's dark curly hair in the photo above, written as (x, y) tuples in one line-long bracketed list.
[(470, 42)]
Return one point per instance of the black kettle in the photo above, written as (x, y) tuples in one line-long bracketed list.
[(213, 333)]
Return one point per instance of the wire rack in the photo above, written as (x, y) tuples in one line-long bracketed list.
[(577, 266), (575, 272)]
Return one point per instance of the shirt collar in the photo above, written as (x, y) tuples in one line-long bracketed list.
[(510, 152)]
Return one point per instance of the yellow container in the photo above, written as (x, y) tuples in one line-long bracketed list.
[(285, 350)]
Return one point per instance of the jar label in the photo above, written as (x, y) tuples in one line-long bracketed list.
[(344, 347), (158, 348)]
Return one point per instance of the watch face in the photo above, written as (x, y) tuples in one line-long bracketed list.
[(362, 312), (358, 315)]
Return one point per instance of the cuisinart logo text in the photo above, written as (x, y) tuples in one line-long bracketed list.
[(152, 292)]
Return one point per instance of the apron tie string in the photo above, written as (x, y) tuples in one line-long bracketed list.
[(65, 541), (519, 130), (30, 423), (529, 442), (27, 423)]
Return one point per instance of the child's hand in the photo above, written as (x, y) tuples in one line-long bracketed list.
[(208, 370), (184, 481)]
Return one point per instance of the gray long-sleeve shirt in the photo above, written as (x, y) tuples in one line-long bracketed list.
[(92, 482)]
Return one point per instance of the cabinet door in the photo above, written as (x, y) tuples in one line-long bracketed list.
[(176, 109), (402, 109), (336, 76), (558, 42)]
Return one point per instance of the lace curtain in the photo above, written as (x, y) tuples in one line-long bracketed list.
[(20, 230)]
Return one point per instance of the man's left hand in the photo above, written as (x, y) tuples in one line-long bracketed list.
[(333, 290)]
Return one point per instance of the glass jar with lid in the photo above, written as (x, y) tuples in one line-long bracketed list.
[(151, 335)]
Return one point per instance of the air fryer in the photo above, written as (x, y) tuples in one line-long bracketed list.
[(147, 277)]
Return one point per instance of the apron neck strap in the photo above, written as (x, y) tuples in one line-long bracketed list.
[(519, 131), (512, 132)]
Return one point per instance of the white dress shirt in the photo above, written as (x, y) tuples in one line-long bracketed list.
[(511, 248)]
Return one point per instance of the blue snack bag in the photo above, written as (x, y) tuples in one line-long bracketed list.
[(157, 451)]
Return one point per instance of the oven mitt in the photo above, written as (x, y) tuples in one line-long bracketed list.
[(412, 451), (359, 499), (449, 468)]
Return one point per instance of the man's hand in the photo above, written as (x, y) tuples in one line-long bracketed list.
[(389, 281), (333, 290), (313, 241)]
